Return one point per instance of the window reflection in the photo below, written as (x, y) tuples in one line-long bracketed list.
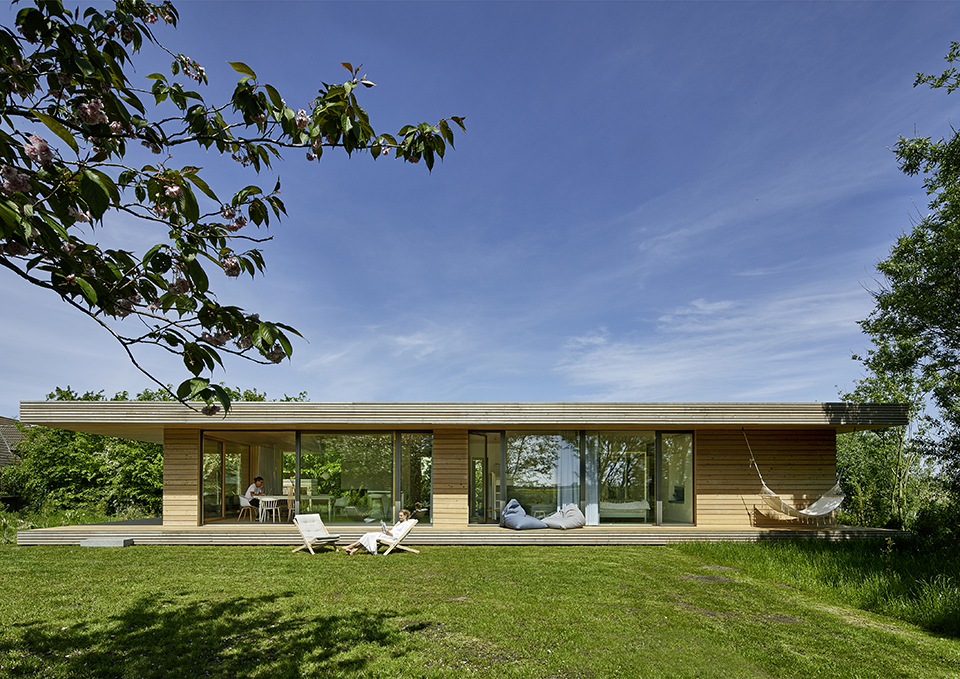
[(347, 477), (626, 486), (543, 470)]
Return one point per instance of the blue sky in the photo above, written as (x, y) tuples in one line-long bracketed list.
[(675, 201)]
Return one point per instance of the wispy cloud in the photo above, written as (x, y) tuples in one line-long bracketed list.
[(778, 347)]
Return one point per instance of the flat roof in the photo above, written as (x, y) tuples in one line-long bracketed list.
[(146, 420)]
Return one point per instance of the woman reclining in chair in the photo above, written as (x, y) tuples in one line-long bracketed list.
[(369, 540)]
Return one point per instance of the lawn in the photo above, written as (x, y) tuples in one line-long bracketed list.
[(450, 611)]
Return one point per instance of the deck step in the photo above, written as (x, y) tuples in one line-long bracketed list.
[(287, 535)]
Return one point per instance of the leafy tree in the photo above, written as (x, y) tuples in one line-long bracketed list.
[(71, 121), (884, 473), (60, 469), (915, 326)]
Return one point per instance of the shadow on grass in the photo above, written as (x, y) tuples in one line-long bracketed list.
[(238, 637)]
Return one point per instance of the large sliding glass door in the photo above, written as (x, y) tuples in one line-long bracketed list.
[(416, 474), (543, 470), (625, 478), (639, 477), (349, 476), (483, 472), (222, 466)]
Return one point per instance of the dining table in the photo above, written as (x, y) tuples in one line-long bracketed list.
[(270, 506)]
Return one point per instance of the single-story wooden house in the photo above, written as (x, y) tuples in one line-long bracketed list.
[(629, 465)]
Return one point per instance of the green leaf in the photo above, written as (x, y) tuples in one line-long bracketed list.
[(197, 275), (95, 195), (54, 126), (191, 387), (203, 186), (87, 290), (275, 97), (241, 67)]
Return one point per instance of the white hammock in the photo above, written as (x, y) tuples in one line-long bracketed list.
[(819, 510)]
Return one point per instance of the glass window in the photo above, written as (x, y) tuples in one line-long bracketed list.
[(676, 477), (222, 469), (626, 483), (350, 476), (416, 474), (543, 470), (212, 479)]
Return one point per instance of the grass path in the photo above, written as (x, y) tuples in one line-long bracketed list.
[(450, 611)]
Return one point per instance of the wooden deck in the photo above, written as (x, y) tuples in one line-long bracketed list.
[(232, 533)]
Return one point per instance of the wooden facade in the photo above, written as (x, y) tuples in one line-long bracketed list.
[(794, 445)]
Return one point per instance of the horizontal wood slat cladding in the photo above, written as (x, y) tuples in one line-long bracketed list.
[(450, 455), (145, 421), (799, 465), (181, 477)]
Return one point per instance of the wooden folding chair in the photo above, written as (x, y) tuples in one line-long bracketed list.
[(313, 532), (394, 543)]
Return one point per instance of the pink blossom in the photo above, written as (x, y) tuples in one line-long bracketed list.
[(210, 409), (68, 248), (302, 119), (244, 342), (173, 191), (231, 266), (38, 151), (179, 286), (276, 354), (238, 224), (79, 216), (92, 113), (228, 212), (13, 181), (151, 18)]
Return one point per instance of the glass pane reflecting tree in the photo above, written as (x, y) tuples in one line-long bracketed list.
[(355, 470), (543, 470), (677, 477), (416, 474), (626, 484)]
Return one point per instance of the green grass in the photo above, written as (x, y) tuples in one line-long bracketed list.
[(912, 580), (449, 611)]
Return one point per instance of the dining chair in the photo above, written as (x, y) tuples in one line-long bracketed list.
[(270, 508), (245, 506), (290, 505)]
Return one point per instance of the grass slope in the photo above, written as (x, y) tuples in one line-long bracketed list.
[(449, 611)]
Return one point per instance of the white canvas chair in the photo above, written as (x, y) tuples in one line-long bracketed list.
[(313, 532), (245, 506), (394, 543)]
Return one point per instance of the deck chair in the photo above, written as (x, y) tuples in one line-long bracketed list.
[(313, 532), (394, 543)]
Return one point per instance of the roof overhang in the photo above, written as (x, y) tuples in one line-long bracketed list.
[(147, 420)]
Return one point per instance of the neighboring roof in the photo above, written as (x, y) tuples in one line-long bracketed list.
[(146, 420), (10, 436)]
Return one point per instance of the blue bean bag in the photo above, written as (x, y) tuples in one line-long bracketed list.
[(514, 517)]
